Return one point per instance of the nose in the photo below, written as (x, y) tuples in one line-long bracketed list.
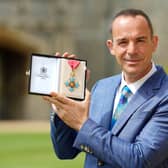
[(131, 48)]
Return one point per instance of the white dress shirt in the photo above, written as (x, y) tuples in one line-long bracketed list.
[(132, 86)]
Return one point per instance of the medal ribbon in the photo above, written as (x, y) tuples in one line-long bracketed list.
[(71, 83), (73, 64)]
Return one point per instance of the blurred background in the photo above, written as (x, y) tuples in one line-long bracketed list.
[(77, 26), (46, 26)]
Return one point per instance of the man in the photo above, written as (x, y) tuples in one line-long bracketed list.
[(114, 133)]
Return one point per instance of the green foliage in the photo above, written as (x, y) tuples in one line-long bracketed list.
[(166, 69), (32, 150)]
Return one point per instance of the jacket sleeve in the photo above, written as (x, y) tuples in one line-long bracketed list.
[(62, 138), (148, 150)]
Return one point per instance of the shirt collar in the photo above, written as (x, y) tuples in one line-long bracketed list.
[(136, 85)]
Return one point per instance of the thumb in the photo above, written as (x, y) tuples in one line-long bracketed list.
[(87, 95)]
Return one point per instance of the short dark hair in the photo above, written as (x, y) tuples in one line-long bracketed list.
[(133, 13)]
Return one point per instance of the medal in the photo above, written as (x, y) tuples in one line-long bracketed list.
[(71, 83)]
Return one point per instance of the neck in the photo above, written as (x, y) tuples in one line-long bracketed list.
[(131, 78)]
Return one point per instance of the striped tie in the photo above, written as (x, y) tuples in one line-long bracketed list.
[(123, 101)]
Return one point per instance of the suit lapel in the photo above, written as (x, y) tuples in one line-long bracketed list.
[(142, 95), (137, 100), (108, 102)]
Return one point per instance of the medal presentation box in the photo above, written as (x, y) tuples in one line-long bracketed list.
[(57, 74)]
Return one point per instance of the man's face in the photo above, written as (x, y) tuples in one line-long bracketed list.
[(132, 45)]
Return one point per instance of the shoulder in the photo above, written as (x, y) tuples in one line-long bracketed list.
[(161, 77), (106, 84), (108, 81), (158, 83)]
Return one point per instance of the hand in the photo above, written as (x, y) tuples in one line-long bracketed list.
[(73, 113)]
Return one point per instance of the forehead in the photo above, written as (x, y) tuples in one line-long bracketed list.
[(130, 25)]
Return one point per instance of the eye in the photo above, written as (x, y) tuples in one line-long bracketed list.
[(122, 43), (141, 40)]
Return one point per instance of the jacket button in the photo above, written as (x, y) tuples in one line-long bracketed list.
[(86, 149), (82, 147), (100, 163)]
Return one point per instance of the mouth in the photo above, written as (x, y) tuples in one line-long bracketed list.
[(132, 61)]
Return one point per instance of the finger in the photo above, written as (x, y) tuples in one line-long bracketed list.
[(60, 98), (87, 74), (72, 56), (57, 54), (54, 107), (52, 100), (87, 95), (66, 54)]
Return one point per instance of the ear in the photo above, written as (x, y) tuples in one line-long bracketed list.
[(155, 42), (109, 44)]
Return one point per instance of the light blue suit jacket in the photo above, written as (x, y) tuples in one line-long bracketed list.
[(139, 138)]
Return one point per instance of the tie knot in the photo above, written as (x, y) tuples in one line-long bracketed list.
[(125, 94), (126, 91)]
